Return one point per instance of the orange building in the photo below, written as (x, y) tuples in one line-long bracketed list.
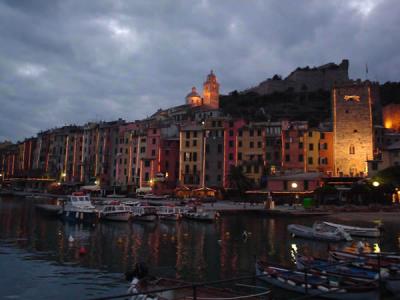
[(391, 116)]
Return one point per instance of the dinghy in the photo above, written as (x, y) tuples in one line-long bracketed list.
[(372, 232), (318, 232)]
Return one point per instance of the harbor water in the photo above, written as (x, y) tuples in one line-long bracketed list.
[(38, 261)]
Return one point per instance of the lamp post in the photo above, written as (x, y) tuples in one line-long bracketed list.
[(294, 186)]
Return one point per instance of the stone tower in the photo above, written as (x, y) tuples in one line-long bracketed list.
[(211, 91), (193, 98), (353, 127)]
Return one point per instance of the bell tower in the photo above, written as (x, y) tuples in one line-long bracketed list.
[(211, 91)]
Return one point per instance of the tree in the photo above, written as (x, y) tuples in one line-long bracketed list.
[(238, 180)]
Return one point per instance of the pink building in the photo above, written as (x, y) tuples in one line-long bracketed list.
[(293, 148)]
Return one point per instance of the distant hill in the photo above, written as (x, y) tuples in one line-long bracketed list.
[(312, 106)]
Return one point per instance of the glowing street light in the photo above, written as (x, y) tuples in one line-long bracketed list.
[(376, 183), (97, 182), (63, 174), (294, 185)]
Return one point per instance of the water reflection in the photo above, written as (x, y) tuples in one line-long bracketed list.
[(187, 250)]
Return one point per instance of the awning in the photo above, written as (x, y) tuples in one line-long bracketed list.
[(93, 188)]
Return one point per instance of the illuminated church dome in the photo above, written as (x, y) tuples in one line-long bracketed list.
[(193, 98)]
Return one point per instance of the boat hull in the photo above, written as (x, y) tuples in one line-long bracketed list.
[(144, 218), (117, 217), (79, 216), (336, 293), (357, 231), (309, 233)]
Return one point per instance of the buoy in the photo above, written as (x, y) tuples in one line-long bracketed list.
[(82, 251), (71, 239)]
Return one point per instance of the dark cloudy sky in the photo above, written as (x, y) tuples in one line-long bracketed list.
[(72, 61)]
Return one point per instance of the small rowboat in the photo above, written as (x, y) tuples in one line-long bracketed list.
[(320, 285), (115, 212), (318, 232), (357, 231)]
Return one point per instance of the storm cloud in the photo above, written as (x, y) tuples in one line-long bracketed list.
[(72, 61)]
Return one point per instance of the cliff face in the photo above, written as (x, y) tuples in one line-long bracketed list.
[(310, 79)]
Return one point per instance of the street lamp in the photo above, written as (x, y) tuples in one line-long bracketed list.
[(376, 183), (294, 185)]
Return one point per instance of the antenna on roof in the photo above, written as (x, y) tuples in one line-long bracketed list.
[(366, 71)]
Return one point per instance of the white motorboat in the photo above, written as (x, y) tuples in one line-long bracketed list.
[(78, 207), (144, 213), (357, 231), (115, 212), (319, 232), (171, 213)]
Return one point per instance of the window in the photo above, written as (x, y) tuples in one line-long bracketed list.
[(287, 146), (325, 146), (219, 178), (259, 144), (310, 160), (147, 163), (186, 169), (301, 158), (187, 144), (259, 132), (188, 134), (240, 132), (207, 148), (154, 141), (240, 144), (219, 165), (230, 156), (166, 165), (248, 169), (195, 134), (142, 149), (251, 144), (194, 143), (251, 132), (153, 152), (219, 148), (311, 147), (305, 185), (301, 145), (322, 135), (230, 144), (154, 131), (230, 132), (352, 149), (287, 157), (239, 155), (310, 133), (256, 168), (194, 156), (230, 123), (268, 156)]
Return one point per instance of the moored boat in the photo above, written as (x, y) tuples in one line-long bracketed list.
[(79, 208), (201, 215), (115, 212), (318, 232), (49, 209), (391, 278), (171, 213), (356, 231), (144, 213), (329, 287)]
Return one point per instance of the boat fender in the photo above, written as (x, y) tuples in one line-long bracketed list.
[(77, 215), (280, 279), (384, 274), (291, 282), (309, 286), (322, 288), (333, 283)]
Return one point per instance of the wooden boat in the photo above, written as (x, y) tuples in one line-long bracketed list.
[(329, 287), (390, 278), (373, 260), (318, 232), (144, 213), (115, 212), (357, 231)]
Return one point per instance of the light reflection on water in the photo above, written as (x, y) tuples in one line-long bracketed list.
[(40, 262)]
